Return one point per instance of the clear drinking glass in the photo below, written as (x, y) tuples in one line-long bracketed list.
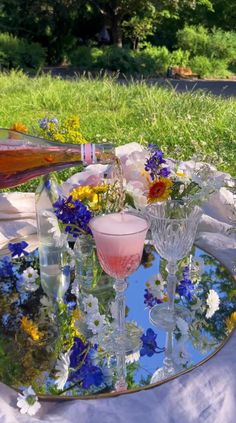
[(173, 226)]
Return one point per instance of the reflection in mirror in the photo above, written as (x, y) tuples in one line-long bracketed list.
[(51, 345)]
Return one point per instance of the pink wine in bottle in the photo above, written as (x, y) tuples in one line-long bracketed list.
[(23, 157)]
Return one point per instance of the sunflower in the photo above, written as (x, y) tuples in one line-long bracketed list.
[(159, 190)]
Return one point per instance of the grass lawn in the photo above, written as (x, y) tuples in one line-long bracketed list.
[(181, 124)]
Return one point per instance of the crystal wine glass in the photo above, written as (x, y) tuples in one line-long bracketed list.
[(174, 226), (119, 239)]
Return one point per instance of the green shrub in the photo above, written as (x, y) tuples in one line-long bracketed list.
[(205, 67), (152, 60), (17, 53), (179, 58), (193, 39), (222, 45), (201, 65), (198, 41), (85, 57), (118, 59)]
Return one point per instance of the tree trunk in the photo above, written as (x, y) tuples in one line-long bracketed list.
[(116, 31)]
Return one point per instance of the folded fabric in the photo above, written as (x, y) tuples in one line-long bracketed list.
[(17, 217)]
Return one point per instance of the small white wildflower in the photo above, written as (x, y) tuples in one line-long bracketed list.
[(29, 277), (213, 303), (182, 325), (30, 274), (62, 369), (96, 322), (28, 402), (156, 286), (90, 304), (131, 358)]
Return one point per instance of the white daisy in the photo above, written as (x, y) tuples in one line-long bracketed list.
[(28, 402), (182, 325), (29, 276), (156, 286), (62, 369), (131, 358), (90, 304), (96, 322), (213, 303)]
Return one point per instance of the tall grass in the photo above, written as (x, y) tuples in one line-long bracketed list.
[(190, 123)]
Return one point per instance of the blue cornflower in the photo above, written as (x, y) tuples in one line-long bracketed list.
[(78, 351), (73, 212), (18, 248), (186, 287), (66, 270), (149, 344), (6, 267), (91, 375)]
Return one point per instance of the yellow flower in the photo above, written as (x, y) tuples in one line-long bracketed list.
[(231, 321), (72, 122), (181, 174), (159, 190), (30, 328), (89, 195), (19, 127)]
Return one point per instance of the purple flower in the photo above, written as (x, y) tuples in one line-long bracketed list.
[(55, 121), (164, 172), (78, 352), (149, 344), (149, 299), (81, 359), (18, 249), (186, 287), (154, 162), (43, 123)]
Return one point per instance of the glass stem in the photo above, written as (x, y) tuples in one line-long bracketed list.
[(171, 284), (168, 362), (120, 287)]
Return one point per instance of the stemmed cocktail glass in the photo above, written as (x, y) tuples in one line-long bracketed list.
[(174, 226), (119, 239)]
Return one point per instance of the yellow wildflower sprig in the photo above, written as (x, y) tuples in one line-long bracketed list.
[(230, 322), (31, 328)]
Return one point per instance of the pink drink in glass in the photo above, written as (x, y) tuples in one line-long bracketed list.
[(119, 240)]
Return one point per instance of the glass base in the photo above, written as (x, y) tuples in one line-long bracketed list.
[(162, 317), (161, 374), (114, 341)]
